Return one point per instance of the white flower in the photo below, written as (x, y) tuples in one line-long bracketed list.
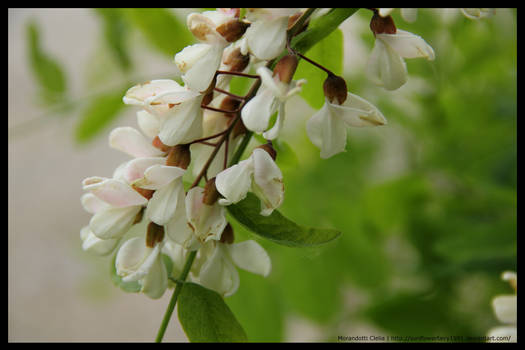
[(176, 110), (258, 174), (137, 262), (386, 66), (266, 37), (201, 224), (505, 309), (90, 242), (121, 206), (270, 98), (130, 141), (327, 127), (215, 266)]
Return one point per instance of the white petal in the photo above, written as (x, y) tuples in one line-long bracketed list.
[(268, 181), (409, 14), (177, 254), (158, 176), (235, 182), (114, 192), (113, 223), (386, 67), (250, 256), (219, 274), (207, 221), (327, 131), (155, 283), (135, 169), (273, 133), (164, 202), (501, 334), (257, 112), (137, 94), (183, 124), (505, 308), (278, 88), (358, 112), (407, 45), (132, 142), (92, 204), (383, 12), (198, 63), (148, 123), (134, 260), (267, 39), (94, 245), (179, 231)]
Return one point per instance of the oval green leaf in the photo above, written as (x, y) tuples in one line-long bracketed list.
[(205, 317), (276, 227)]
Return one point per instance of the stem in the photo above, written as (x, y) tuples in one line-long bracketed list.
[(174, 297)]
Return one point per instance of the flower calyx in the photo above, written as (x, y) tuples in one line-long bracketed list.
[(179, 156), (382, 25), (334, 88), (154, 234), (211, 195), (268, 147), (285, 68)]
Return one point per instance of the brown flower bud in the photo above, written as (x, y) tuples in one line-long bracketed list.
[(227, 235), (237, 61), (211, 195), (232, 30), (157, 143), (382, 25), (143, 192), (269, 148), (154, 234), (335, 89), (179, 156), (230, 103), (285, 68)]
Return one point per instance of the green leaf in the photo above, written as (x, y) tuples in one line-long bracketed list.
[(276, 227), (47, 71), (115, 31), (206, 318), (161, 28), (98, 114), (328, 53)]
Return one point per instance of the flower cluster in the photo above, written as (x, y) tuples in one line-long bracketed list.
[(198, 129)]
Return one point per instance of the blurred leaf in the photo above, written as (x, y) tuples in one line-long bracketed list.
[(206, 318), (47, 71), (161, 28), (328, 53), (115, 31), (276, 227), (128, 287), (98, 114)]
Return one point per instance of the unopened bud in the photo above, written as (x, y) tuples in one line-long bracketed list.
[(269, 148), (335, 89), (157, 143), (227, 236), (236, 60), (211, 195), (232, 30), (230, 103), (179, 156), (285, 68), (154, 234), (382, 25)]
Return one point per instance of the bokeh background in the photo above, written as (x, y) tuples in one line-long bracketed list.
[(426, 205)]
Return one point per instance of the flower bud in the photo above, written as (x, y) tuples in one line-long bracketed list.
[(269, 148), (154, 234), (236, 60), (179, 156), (211, 195), (382, 25), (157, 143), (143, 192), (230, 104), (335, 89), (232, 30), (285, 68), (227, 236)]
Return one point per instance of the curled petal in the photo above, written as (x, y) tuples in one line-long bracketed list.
[(92, 204), (266, 39), (95, 245), (268, 181), (273, 133), (116, 193), (386, 67), (358, 112), (408, 45), (219, 274), (257, 112), (113, 223), (183, 124), (157, 176), (250, 256), (137, 94), (134, 260), (198, 63), (235, 182), (132, 142), (136, 168)]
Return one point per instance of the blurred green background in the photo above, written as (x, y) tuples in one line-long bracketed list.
[(427, 204)]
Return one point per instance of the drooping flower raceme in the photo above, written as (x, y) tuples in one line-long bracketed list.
[(258, 174)]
